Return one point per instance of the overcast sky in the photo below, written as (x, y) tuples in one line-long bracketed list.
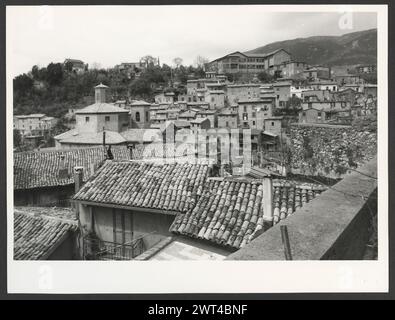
[(113, 34)]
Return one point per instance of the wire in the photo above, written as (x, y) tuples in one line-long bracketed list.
[(364, 174), (340, 191)]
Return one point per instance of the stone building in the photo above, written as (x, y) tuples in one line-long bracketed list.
[(253, 112), (33, 124), (236, 92), (228, 119), (249, 63), (139, 114), (134, 220), (76, 65), (96, 124), (282, 91)]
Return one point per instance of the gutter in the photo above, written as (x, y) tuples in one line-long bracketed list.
[(133, 208)]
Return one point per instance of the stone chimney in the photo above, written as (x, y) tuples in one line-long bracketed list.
[(100, 93), (63, 170), (78, 178), (267, 199)]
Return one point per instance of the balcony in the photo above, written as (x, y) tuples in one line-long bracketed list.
[(96, 249)]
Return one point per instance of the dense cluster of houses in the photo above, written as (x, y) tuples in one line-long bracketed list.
[(132, 174), (34, 128)]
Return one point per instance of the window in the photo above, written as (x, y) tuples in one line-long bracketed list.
[(146, 115), (107, 118), (254, 114), (272, 124), (253, 123), (122, 226), (304, 113), (86, 119), (245, 109), (138, 116)]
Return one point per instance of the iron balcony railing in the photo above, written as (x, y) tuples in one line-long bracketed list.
[(96, 249)]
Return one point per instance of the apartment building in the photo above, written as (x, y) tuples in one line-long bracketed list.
[(253, 112), (32, 124), (242, 92), (282, 92), (248, 63)]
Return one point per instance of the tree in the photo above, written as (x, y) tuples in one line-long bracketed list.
[(68, 66), (35, 72), (177, 62), (200, 61), (265, 77), (230, 77), (140, 87), (23, 84), (294, 103), (54, 73), (17, 138), (95, 66), (148, 61), (199, 73), (60, 127)]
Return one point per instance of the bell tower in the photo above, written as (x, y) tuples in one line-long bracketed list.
[(100, 93)]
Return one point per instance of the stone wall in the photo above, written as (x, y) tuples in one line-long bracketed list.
[(327, 150), (337, 225)]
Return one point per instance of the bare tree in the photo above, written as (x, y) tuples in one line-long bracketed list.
[(148, 61), (200, 61), (178, 62), (95, 66)]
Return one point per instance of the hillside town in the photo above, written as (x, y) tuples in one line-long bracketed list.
[(205, 170)]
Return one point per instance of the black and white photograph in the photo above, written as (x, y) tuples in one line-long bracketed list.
[(193, 144)]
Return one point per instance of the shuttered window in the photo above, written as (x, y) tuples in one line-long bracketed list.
[(122, 226)]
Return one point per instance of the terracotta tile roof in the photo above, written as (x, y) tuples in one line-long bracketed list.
[(37, 231), (92, 138), (101, 108), (187, 114), (142, 135), (167, 187), (33, 115), (101, 85), (161, 150), (139, 103), (200, 120), (230, 212), (41, 169)]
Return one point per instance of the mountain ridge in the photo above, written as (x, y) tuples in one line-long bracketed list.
[(350, 48)]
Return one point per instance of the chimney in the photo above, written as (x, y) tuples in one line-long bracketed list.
[(267, 200), (100, 93), (78, 178), (63, 170)]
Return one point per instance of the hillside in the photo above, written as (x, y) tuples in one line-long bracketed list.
[(351, 48), (54, 89)]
